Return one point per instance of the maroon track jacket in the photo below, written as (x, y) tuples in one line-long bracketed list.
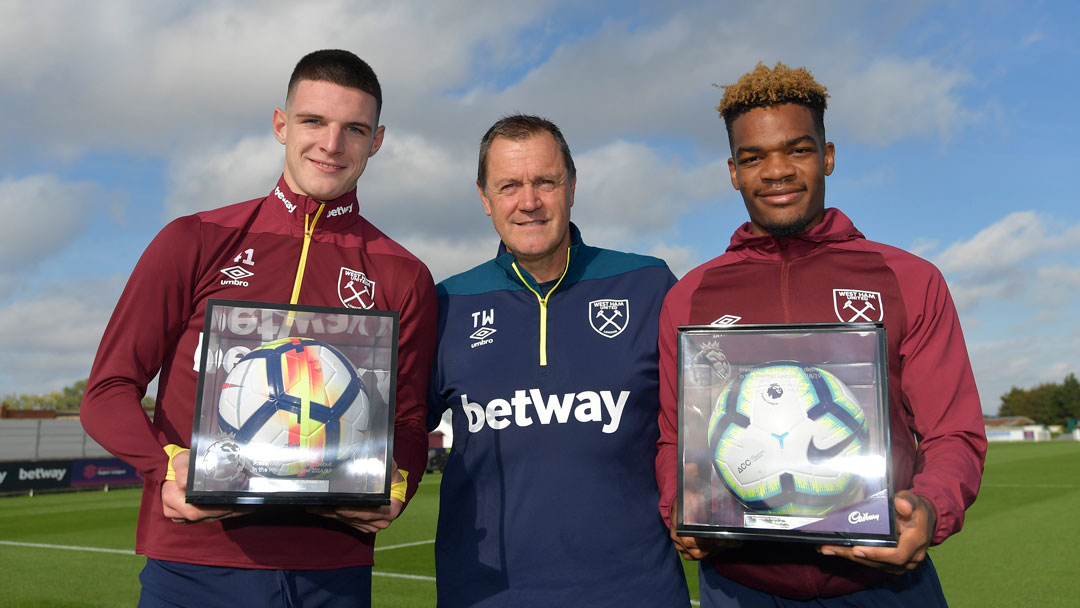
[(250, 251), (938, 438)]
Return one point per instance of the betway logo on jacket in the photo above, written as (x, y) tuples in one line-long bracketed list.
[(342, 210), (531, 406), (289, 205)]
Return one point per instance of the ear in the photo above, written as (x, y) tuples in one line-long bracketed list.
[(484, 199), (734, 170), (376, 141), (830, 157), (573, 184), (280, 121)]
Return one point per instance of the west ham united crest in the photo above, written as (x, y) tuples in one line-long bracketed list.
[(609, 317), (857, 306), (355, 290)]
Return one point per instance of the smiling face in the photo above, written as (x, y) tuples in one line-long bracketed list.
[(329, 132), (779, 163), (528, 195)]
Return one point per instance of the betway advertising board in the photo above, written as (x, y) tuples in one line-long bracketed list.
[(42, 475), (58, 474)]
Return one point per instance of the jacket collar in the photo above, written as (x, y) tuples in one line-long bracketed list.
[(292, 207), (834, 227), (504, 259)]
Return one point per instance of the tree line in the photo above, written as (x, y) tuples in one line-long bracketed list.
[(67, 398), (1051, 403)]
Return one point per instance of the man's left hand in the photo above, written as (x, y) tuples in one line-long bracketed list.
[(366, 519), (915, 521)]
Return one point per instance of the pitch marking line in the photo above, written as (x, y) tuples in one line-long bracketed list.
[(414, 577), (403, 545), (66, 547)]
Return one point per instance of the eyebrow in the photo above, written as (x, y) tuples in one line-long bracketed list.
[(787, 144)]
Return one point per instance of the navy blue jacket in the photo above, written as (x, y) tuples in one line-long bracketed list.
[(549, 496)]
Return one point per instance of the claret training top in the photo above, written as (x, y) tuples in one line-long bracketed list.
[(832, 274), (264, 250)]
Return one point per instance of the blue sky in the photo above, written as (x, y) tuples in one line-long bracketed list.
[(952, 124)]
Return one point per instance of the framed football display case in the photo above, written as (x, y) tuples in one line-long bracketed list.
[(295, 405), (784, 434)]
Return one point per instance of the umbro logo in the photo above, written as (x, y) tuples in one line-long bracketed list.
[(482, 333), (726, 320), (482, 336), (236, 275)]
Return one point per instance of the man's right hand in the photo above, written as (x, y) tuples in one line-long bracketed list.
[(173, 501)]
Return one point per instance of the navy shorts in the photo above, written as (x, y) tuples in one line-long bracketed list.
[(919, 587), (177, 585)]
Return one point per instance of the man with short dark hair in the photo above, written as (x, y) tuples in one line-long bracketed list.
[(291, 246), (789, 264), (547, 358)]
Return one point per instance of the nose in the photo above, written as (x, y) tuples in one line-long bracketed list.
[(530, 199), (332, 140), (777, 168)]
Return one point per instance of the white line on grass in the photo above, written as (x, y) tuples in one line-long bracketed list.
[(413, 577), (403, 545), (66, 547)]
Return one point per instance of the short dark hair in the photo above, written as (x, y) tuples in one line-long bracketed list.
[(518, 127), (763, 88), (341, 68)]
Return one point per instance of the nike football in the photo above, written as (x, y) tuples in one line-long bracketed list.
[(782, 438), (294, 407)]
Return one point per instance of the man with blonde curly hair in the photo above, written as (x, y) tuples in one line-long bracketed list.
[(787, 265)]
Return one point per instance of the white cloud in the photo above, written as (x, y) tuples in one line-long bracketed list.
[(42, 216), (893, 98), (1008, 241), (627, 193), (679, 259), (211, 178), (447, 257), (57, 339), (423, 187)]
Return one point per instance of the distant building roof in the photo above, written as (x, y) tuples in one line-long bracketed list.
[(1007, 421)]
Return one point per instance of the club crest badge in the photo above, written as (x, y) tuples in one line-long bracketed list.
[(857, 306), (609, 317), (355, 290)]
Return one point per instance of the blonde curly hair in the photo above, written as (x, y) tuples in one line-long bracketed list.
[(764, 87)]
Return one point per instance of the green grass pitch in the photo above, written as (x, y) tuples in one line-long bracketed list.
[(1018, 547)]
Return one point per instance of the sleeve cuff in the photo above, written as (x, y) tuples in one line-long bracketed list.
[(172, 450), (397, 490)]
